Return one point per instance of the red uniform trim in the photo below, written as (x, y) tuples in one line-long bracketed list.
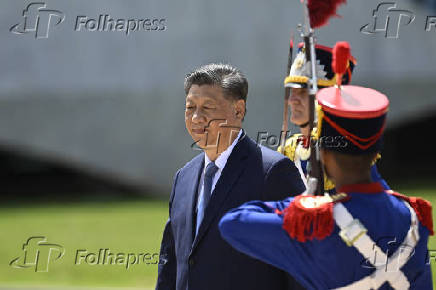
[(318, 46), (304, 224), (371, 103), (354, 138), (329, 49), (374, 187), (422, 208)]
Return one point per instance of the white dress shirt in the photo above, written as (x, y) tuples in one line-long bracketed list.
[(220, 162)]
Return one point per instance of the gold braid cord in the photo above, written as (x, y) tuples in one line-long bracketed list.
[(291, 152)]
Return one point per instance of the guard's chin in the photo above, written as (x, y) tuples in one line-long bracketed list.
[(298, 122)]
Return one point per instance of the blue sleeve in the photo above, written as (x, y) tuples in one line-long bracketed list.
[(376, 177), (256, 230), (282, 181), (423, 280)]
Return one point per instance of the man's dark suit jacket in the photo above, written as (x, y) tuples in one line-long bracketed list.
[(206, 261)]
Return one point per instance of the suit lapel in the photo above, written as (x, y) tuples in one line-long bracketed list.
[(234, 167), (194, 177)]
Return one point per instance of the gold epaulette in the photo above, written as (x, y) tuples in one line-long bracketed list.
[(290, 146), (309, 201), (338, 196), (290, 151), (311, 217)]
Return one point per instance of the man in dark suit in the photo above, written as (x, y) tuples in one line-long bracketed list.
[(231, 170)]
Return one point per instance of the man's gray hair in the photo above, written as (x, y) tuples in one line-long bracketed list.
[(229, 78)]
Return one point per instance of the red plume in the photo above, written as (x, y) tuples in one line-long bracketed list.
[(321, 10), (341, 56), (340, 60)]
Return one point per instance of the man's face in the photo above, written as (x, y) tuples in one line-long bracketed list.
[(210, 117), (299, 101)]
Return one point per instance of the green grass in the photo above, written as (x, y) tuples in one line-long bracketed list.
[(121, 227)]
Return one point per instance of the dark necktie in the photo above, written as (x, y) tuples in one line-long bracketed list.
[(209, 173)]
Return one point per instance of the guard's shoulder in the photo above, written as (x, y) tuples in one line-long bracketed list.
[(310, 202), (311, 217), (422, 208), (291, 145), (270, 155), (270, 158), (267, 156)]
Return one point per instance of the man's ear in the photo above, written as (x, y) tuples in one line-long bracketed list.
[(240, 109)]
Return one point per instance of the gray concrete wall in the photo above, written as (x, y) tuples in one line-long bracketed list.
[(112, 104)]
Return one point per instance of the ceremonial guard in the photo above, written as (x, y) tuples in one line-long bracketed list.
[(362, 237), (296, 147)]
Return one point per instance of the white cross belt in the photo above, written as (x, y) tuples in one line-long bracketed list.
[(354, 234)]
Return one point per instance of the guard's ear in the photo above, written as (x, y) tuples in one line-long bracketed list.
[(240, 109)]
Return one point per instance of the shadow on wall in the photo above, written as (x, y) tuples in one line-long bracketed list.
[(408, 156), (409, 152), (29, 179)]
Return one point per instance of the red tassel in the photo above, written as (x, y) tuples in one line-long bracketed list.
[(321, 10), (341, 57), (422, 208), (304, 224)]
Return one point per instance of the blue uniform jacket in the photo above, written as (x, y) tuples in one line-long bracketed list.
[(375, 176), (255, 228)]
